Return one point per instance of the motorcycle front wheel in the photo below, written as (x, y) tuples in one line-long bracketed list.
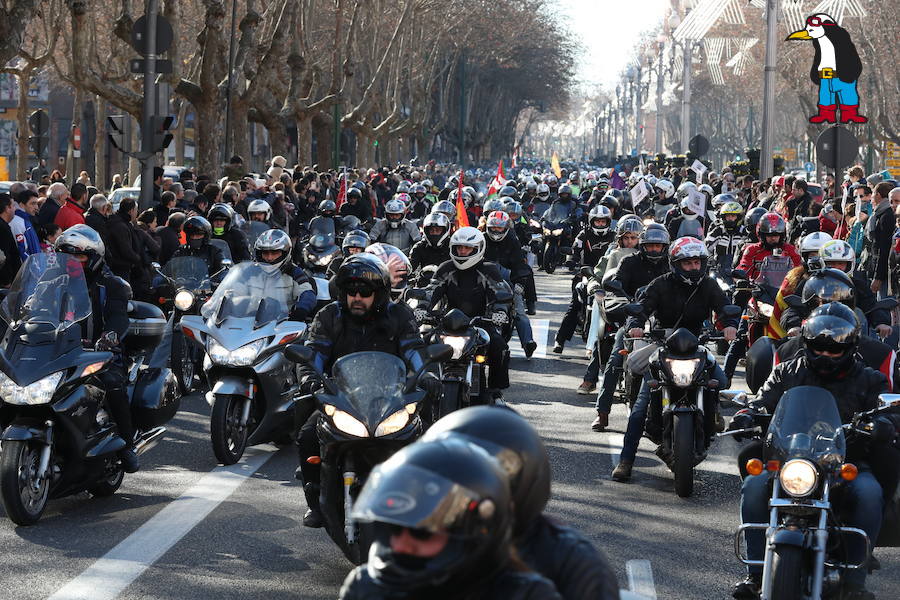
[(23, 491), (683, 451), (787, 573), (228, 436), (550, 260), (182, 363)]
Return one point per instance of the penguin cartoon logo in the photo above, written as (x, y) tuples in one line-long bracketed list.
[(835, 69)]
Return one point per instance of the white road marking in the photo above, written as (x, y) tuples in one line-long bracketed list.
[(540, 329), (118, 568), (640, 579), (614, 442)]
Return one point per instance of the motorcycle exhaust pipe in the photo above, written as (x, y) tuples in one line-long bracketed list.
[(148, 440)]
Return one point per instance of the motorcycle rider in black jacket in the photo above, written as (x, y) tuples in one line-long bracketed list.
[(362, 319), (109, 323), (830, 339), (589, 247), (221, 218), (685, 297), (434, 247), (442, 516), (634, 272), (198, 232), (559, 553)]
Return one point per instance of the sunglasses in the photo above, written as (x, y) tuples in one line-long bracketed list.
[(419, 534), (361, 291)]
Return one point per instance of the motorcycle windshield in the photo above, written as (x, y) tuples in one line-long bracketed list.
[(254, 229), (773, 269), (223, 246), (249, 291), (806, 424), (49, 289), (188, 272), (557, 213), (321, 232), (372, 383)]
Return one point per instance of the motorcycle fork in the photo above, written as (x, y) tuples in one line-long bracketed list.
[(44, 465), (349, 479), (248, 403)]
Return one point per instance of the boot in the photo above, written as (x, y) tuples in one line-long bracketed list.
[(622, 472), (529, 348), (529, 307), (601, 422), (129, 458), (313, 517), (586, 388), (849, 114), (558, 348), (748, 589), (827, 114)]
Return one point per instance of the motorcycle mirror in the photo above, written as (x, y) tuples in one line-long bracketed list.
[(739, 274), (226, 263), (888, 400), (634, 309), (156, 266), (587, 272), (732, 311), (299, 353), (442, 352), (613, 285), (794, 301)]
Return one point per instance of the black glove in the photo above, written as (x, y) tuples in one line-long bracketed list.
[(742, 419), (883, 430), (108, 342), (309, 386), (431, 384)]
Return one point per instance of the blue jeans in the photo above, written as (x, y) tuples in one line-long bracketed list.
[(638, 416), (834, 91), (611, 373), (861, 505), (592, 374)]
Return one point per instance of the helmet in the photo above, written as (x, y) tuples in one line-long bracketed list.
[(394, 211), (684, 190), (197, 225), (831, 328), (565, 189), (654, 234), (829, 285), (722, 199), (436, 220), (665, 186), (327, 208), (492, 205), (445, 207), (398, 265), (497, 220), (551, 180), (419, 191), (403, 187), (531, 186), (403, 197), (686, 210), (732, 208), (543, 191), (599, 212), (472, 238), (629, 225), (706, 189), (752, 221), (273, 239), (355, 239), (685, 248), (515, 444), (261, 206), (354, 193), (509, 192), (771, 224), (428, 184), (838, 251), (812, 243), (513, 209), (610, 201), (367, 271), (81, 239), (219, 212), (448, 485)]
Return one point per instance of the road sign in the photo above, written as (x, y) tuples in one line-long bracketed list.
[(164, 35), (162, 65), (698, 145), (837, 147), (39, 122), (809, 167), (76, 138)]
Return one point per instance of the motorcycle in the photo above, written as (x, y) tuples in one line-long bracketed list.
[(369, 410), (243, 329), (320, 248), (612, 309), (556, 228), (683, 396), (58, 438), (806, 447)]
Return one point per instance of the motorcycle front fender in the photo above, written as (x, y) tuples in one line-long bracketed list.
[(23, 432), (788, 537), (232, 385)]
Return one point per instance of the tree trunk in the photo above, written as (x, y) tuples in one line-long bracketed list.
[(240, 131), (304, 141), (324, 142), (363, 148), (100, 175), (277, 139), (22, 118), (207, 128)]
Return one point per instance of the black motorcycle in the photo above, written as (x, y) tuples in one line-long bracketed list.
[(58, 438), (557, 228), (369, 410)]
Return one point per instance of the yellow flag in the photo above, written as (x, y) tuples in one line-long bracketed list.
[(4, 169), (554, 164)]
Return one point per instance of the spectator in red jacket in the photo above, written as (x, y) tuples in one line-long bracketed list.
[(829, 217), (72, 212)]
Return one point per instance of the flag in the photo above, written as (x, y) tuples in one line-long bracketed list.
[(554, 164), (462, 218), (515, 164), (342, 194), (497, 182)]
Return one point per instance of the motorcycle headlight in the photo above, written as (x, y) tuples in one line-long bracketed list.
[(393, 423), (184, 300), (348, 423), (682, 370), (39, 392), (457, 342), (242, 357), (798, 477), (765, 309), (558, 231)]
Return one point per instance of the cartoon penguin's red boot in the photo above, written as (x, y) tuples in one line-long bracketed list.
[(849, 114), (827, 114)]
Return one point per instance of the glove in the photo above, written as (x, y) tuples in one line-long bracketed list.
[(309, 386), (108, 342), (298, 314), (519, 289), (742, 419), (420, 314), (432, 385), (499, 318)]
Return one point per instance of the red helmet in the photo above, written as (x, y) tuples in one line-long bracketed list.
[(771, 224)]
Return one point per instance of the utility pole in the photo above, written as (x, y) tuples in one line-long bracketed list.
[(226, 148), (766, 167), (462, 109), (638, 127), (659, 102), (148, 112), (686, 96)]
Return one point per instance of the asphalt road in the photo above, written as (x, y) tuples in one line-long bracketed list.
[(181, 528)]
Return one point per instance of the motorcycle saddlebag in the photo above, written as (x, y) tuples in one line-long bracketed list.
[(889, 536), (154, 398), (146, 327)]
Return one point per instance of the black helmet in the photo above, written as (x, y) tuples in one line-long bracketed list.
[(831, 328), (564, 189), (327, 208), (509, 192), (610, 201), (354, 193), (654, 234), (81, 239), (752, 220), (355, 239), (196, 225), (829, 285), (515, 444), (221, 211), (441, 486), (362, 271)]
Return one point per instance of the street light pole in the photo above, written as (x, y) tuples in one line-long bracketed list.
[(226, 148), (766, 166), (686, 96), (148, 109), (659, 104), (638, 128)]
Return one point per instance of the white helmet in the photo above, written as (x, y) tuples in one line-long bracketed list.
[(838, 251), (260, 206), (600, 212), (471, 238), (707, 189), (813, 242), (436, 220), (543, 191), (664, 185), (394, 207)]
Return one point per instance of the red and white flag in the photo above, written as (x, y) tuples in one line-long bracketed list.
[(462, 218), (342, 194), (498, 181)]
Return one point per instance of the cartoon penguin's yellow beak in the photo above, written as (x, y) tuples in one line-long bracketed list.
[(799, 35)]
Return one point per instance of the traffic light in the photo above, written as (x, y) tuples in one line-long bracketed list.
[(116, 132), (161, 136)]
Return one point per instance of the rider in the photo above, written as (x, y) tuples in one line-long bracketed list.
[(419, 204), (685, 297), (442, 521), (272, 251), (470, 284), (221, 217), (686, 222), (197, 232), (395, 229), (356, 206), (434, 247), (726, 237), (354, 242), (109, 310), (829, 361), (557, 552), (362, 319), (259, 211)]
